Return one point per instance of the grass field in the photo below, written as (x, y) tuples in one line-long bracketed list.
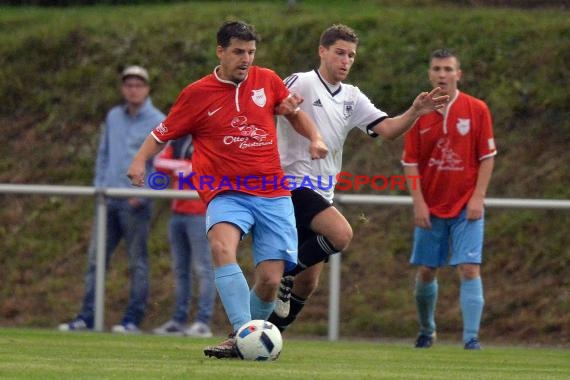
[(47, 354)]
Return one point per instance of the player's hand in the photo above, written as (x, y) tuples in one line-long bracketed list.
[(135, 202), (290, 105), (421, 215), (430, 101), (318, 149), (474, 209), (136, 173)]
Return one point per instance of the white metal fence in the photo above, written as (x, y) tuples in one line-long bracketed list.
[(335, 261)]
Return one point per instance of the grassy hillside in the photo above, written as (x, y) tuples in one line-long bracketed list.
[(59, 77)]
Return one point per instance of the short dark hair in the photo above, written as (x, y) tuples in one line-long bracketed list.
[(236, 29), (338, 32), (444, 53)]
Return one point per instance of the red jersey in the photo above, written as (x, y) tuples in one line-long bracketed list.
[(167, 162), (233, 131), (447, 149)]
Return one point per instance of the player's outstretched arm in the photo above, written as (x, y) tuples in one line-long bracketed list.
[(424, 103)]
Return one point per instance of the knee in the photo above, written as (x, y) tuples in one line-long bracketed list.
[(426, 275), (341, 239), (217, 246), (268, 280), (222, 253), (469, 271)]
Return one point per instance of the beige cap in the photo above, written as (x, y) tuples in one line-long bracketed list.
[(135, 71)]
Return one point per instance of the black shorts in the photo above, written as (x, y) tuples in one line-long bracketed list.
[(307, 203)]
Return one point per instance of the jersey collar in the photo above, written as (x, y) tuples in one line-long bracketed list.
[(228, 81), (325, 84)]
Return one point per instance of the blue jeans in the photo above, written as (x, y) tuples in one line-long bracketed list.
[(190, 250), (133, 225)]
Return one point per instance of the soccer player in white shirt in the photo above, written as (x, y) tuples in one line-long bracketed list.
[(336, 108)]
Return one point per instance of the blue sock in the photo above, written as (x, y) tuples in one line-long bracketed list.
[(472, 302), (259, 309), (234, 293), (426, 298)]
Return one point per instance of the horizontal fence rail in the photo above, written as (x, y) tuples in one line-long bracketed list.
[(100, 194), (557, 204)]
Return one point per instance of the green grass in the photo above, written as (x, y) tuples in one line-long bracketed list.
[(46, 354)]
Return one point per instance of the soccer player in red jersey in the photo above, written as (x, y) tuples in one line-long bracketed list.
[(453, 150), (237, 172)]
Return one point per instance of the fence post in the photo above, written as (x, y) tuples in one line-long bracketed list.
[(334, 290), (100, 262), (334, 297)]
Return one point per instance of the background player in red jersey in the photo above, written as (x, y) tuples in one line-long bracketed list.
[(230, 115), (453, 150)]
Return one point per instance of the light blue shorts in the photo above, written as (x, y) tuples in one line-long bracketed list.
[(271, 222), (431, 247)]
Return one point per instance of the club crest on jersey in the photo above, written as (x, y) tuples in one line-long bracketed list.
[(258, 97), (347, 110), (463, 126)]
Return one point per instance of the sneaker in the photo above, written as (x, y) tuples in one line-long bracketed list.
[(78, 324), (170, 328), (472, 344), (199, 330), (283, 304), (226, 349), (425, 340), (126, 328)]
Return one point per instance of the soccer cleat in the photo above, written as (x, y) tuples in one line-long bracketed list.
[(226, 349), (78, 324), (126, 328), (283, 302), (170, 328), (472, 344), (199, 330), (425, 340)]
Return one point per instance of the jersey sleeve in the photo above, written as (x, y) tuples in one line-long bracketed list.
[(180, 119), (366, 115), (281, 92), (411, 147)]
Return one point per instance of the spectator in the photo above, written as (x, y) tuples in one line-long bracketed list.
[(126, 126), (189, 246)]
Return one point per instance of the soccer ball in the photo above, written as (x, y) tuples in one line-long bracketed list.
[(259, 340)]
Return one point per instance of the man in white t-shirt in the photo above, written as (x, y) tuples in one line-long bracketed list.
[(336, 108)]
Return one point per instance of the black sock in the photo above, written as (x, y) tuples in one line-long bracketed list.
[(297, 304), (313, 250)]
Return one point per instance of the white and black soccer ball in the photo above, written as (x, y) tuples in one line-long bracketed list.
[(259, 340)]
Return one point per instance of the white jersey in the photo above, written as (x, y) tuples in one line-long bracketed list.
[(335, 114)]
